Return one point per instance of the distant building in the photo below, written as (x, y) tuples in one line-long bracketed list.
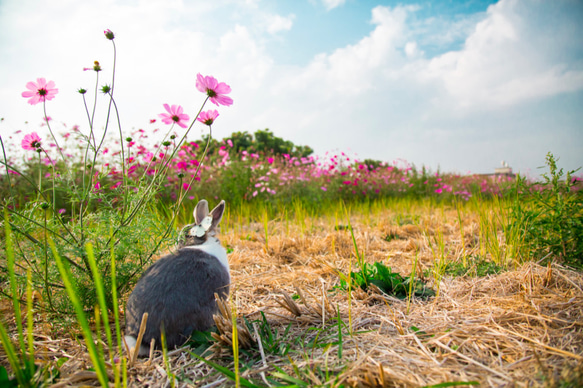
[(505, 170)]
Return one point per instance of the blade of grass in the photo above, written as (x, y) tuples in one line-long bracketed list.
[(13, 283), (96, 359), (236, 340), (100, 296), (29, 321), (225, 371)]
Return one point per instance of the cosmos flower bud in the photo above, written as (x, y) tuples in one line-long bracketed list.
[(109, 34)]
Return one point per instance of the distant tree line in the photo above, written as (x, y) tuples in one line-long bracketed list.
[(261, 142)]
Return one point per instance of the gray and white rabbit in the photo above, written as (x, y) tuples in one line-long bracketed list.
[(178, 290)]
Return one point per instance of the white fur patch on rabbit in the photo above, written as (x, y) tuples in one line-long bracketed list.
[(213, 248)]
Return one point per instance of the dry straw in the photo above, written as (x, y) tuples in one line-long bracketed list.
[(521, 327)]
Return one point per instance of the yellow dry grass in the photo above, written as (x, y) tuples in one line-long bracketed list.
[(522, 327)]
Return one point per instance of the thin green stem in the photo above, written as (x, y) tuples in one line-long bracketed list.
[(11, 196), (46, 263)]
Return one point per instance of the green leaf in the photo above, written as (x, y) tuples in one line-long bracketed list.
[(225, 371)]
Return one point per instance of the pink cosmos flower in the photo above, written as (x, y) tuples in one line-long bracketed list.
[(208, 117), (31, 141), (215, 90), (174, 115), (40, 91)]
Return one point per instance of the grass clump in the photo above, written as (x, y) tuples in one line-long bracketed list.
[(549, 215), (387, 281), (474, 266)]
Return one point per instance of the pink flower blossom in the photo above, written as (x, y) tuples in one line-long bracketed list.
[(185, 186), (152, 121), (230, 143), (270, 160), (215, 90), (31, 141), (174, 115), (61, 211), (208, 117), (40, 91)]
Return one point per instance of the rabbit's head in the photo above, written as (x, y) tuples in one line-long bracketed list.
[(205, 224)]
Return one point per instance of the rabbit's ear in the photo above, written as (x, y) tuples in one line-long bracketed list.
[(217, 214), (201, 211)]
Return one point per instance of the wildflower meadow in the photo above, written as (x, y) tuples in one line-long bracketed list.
[(345, 271)]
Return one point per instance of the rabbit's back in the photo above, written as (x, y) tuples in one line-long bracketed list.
[(178, 291)]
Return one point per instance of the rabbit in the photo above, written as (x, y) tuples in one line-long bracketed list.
[(178, 290)]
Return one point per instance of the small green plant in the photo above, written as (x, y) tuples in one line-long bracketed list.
[(549, 215), (272, 340), (474, 266), (391, 236), (389, 282), (21, 358)]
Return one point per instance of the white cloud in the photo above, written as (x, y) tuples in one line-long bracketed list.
[(412, 50), (354, 69), (331, 4), (503, 62), (277, 23), (241, 58)]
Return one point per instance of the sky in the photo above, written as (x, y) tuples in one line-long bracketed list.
[(452, 85)]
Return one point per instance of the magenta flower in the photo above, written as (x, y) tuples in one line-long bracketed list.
[(31, 141), (40, 91), (208, 117), (214, 89), (174, 115)]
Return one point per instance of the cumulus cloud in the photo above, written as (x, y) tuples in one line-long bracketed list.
[(277, 23), (508, 58), (355, 68), (331, 4)]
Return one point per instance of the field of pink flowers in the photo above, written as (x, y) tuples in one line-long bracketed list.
[(235, 175)]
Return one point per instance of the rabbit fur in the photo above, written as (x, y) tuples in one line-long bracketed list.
[(178, 290)]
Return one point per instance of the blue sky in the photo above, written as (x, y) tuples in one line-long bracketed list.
[(455, 85)]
